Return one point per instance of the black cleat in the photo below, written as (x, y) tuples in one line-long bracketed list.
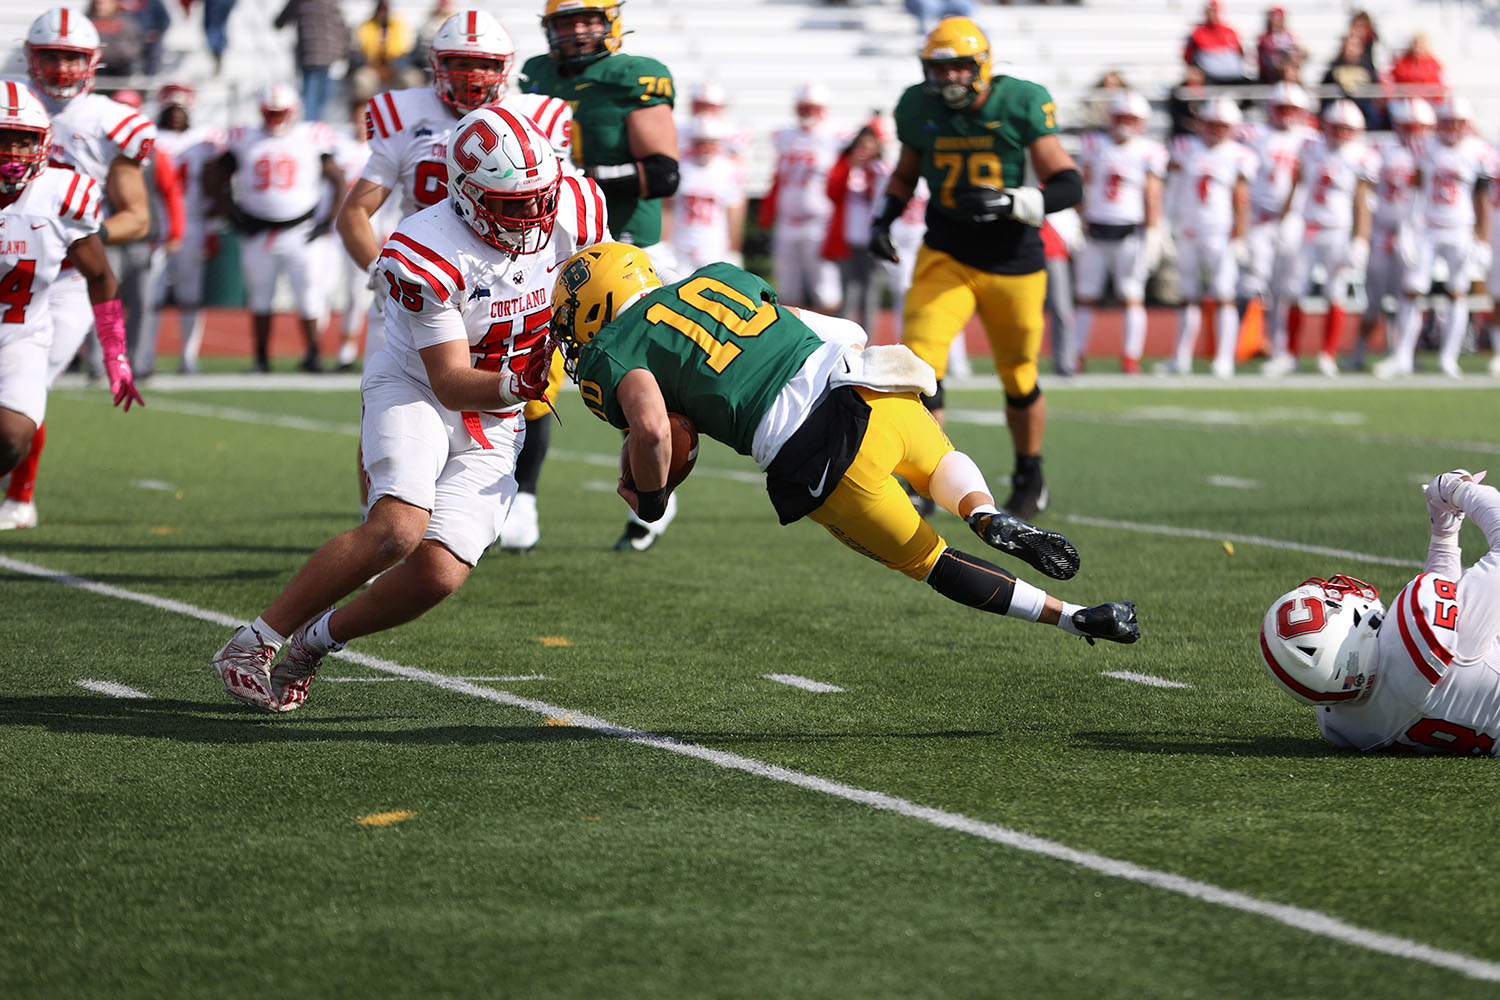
[(637, 538), (1028, 495), (1114, 621), (1045, 551)]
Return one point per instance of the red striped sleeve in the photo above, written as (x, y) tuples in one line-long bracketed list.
[(390, 107), (548, 114), (413, 267), (130, 120), (1444, 655), (376, 123), (580, 213), (125, 143), (67, 202), (601, 212), (90, 198), (1404, 608), (433, 258)]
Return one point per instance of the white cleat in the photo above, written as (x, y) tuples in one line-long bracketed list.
[(1495, 366), (291, 677), (1278, 365), (1328, 365), (1223, 369), (244, 665), (1391, 368), (640, 536), (1450, 369), (15, 515), (520, 532)]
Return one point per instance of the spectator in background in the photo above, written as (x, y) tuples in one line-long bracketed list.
[(930, 12), (154, 21), (1215, 48), (215, 21), (382, 53), (1417, 67), (322, 40), (856, 180), (1352, 71), (1096, 110), (1182, 106), (122, 41), (441, 11), (1277, 48)]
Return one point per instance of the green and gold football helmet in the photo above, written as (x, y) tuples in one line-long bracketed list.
[(958, 43), (593, 286), (574, 48)]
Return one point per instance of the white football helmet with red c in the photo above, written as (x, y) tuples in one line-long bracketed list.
[(471, 34), (279, 107), (63, 34), (1318, 641), (502, 178), (1128, 113), (21, 112)]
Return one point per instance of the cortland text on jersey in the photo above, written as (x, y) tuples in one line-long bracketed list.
[(56, 209), (409, 132)]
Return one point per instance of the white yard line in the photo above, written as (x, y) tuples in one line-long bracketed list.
[(112, 689), (1132, 676), (803, 683), (1311, 921), (1224, 536), (153, 484), (375, 680), (1234, 482)]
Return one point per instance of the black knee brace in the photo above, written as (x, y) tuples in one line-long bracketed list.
[(972, 582), (1022, 402)]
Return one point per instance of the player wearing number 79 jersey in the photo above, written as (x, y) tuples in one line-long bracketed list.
[(1423, 675)]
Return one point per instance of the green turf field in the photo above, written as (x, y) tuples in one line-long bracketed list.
[(589, 787)]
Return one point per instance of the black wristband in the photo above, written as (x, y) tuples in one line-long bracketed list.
[(1064, 189), (890, 210), (650, 505)]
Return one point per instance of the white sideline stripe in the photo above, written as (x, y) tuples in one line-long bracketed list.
[(1130, 675), (376, 680), (1296, 917), (1272, 543), (153, 484), (1234, 482), (803, 683), (112, 689)]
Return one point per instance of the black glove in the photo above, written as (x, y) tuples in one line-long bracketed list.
[(881, 245), (984, 204)]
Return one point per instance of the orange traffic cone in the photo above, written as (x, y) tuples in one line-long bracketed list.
[(1252, 342)]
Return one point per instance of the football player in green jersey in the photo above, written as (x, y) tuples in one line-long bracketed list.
[(829, 421), (623, 137), (971, 135)]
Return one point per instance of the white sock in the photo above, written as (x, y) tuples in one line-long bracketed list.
[(1455, 325), (1066, 621), (1408, 329), (318, 638), (1026, 602), (1188, 320), (984, 508), (1135, 331), (267, 635), (1083, 325), (1228, 331)]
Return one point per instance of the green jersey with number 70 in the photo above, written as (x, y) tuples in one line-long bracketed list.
[(984, 146), (718, 344)]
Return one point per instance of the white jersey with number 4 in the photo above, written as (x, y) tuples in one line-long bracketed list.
[(409, 132), (1325, 198), (280, 177), (700, 220), (1115, 194), (1449, 174), (1205, 196)]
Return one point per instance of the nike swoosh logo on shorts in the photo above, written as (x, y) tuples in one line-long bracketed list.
[(815, 490)]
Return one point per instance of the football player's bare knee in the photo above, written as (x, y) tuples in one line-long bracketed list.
[(16, 432), (394, 529)]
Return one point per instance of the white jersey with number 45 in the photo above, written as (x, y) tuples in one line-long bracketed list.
[(1117, 173), (1205, 195), (1449, 174), (409, 132), (280, 177)]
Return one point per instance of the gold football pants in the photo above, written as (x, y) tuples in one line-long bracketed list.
[(869, 511), (945, 293)]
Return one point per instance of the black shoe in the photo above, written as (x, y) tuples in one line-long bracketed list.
[(1044, 551), (261, 367), (1028, 495), (637, 538), (311, 363), (926, 506), (1114, 621)]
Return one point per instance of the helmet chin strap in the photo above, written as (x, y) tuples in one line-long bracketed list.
[(957, 95)]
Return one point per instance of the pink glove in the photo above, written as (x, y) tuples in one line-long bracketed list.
[(109, 323)]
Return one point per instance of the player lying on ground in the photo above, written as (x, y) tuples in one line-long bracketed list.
[(48, 215), (830, 422), (442, 402), (1424, 676)]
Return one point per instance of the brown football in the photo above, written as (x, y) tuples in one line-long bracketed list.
[(684, 453)]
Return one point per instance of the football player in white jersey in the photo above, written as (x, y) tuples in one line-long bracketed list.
[(468, 289), (47, 215), (1451, 221), (797, 209), (1331, 198), (705, 220), (192, 149), (106, 142), (1413, 121), (272, 179), (1123, 173), (1273, 248), (472, 57), (1211, 210), (1421, 676)]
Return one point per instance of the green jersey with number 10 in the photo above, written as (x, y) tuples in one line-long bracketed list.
[(984, 146), (718, 344), (602, 95)]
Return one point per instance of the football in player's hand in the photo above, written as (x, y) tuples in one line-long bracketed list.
[(684, 453)]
